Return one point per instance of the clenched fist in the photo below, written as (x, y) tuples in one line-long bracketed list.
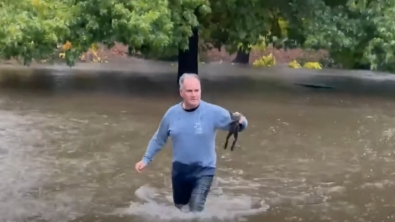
[(237, 114)]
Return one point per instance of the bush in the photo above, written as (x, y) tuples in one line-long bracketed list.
[(265, 61), (294, 64), (312, 65), (308, 65)]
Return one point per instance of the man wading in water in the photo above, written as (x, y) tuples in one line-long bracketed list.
[(192, 126)]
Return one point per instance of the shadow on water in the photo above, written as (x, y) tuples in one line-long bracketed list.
[(313, 151)]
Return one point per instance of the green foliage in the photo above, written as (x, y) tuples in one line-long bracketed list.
[(294, 65), (358, 33), (236, 24), (265, 61), (32, 29), (312, 65), (145, 26)]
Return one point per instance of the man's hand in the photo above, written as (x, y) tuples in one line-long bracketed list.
[(140, 166), (240, 116)]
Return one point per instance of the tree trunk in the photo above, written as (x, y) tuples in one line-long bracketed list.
[(242, 57), (188, 59)]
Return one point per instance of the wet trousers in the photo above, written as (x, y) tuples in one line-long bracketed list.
[(191, 191)]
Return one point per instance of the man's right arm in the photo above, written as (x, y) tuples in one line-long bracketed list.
[(158, 140)]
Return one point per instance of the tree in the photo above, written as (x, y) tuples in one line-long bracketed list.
[(238, 24), (143, 25), (140, 24), (357, 33), (32, 29)]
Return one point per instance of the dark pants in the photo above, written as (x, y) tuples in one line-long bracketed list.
[(192, 191)]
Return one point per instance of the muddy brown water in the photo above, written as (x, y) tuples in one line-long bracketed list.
[(69, 144)]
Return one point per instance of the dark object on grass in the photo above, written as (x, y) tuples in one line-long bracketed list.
[(233, 130)]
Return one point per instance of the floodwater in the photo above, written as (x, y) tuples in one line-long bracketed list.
[(69, 144)]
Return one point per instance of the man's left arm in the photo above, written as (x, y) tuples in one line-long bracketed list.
[(223, 119)]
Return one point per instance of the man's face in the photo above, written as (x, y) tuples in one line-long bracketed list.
[(190, 91)]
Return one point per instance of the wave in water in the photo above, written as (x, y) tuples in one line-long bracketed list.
[(156, 205)]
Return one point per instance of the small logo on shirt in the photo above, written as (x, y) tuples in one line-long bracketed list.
[(198, 128)]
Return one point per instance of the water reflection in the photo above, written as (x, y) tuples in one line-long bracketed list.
[(153, 78), (116, 83)]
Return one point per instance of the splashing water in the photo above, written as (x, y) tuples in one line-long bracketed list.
[(158, 206)]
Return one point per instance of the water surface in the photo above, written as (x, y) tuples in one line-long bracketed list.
[(68, 153)]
